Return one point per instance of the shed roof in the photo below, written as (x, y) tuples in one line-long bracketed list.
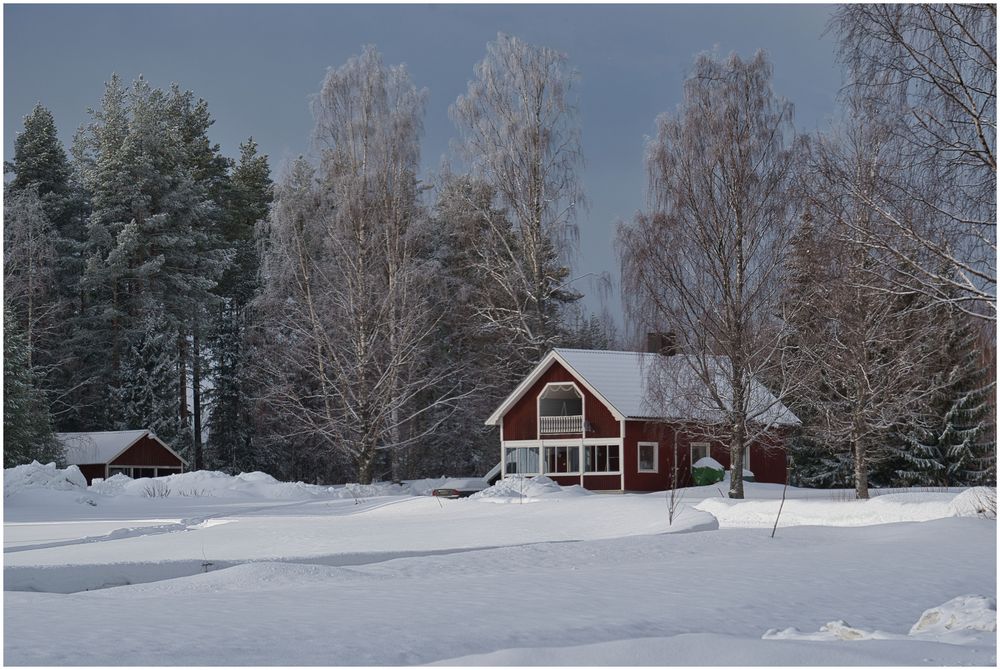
[(636, 385), (104, 446)]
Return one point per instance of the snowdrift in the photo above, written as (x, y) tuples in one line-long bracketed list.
[(887, 508), (958, 621), (518, 488), (34, 475)]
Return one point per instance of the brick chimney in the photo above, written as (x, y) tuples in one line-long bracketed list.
[(661, 343)]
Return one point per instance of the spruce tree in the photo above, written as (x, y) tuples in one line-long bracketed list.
[(953, 445), (231, 421), (41, 170)]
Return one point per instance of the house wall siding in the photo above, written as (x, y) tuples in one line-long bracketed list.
[(91, 471), (521, 421), (767, 456), (147, 452)]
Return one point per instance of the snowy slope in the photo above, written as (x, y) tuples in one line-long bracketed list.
[(554, 576)]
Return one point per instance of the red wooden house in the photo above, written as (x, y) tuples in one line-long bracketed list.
[(136, 453), (588, 417)]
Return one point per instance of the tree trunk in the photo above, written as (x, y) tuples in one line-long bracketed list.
[(199, 458), (366, 464), (860, 469), (736, 462)]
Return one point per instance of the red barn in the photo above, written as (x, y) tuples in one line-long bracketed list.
[(588, 417), (136, 453)]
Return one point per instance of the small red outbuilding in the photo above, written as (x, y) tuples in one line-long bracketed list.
[(587, 417), (136, 453)]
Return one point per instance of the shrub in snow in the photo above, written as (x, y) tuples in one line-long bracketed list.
[(155, 488), (707, 471), (958, 614), (34, 475)]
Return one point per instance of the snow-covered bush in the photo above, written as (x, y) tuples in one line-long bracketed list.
[(707, 471)]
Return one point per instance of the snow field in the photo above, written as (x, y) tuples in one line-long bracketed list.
[(554, 576)]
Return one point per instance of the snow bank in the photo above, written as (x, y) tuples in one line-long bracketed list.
[(889, 508), (978, 501), (37, 476), (957, 621), (527, 489)]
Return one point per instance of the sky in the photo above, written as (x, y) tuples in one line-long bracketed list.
[(258, 65)]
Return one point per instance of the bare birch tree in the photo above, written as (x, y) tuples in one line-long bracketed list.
[(705, 259), (520, 135), (343, 286), (29, 279), (864, 343), (933, 68)]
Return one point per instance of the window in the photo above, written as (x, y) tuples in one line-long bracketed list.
[(699, 450), (119, 471), (602, 458), (521, 461), (649, 457), (562, 459)]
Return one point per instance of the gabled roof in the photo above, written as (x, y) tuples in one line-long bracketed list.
[(636, 385), (103, 447)]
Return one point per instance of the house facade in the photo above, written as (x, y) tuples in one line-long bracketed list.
[(136, 453), (589, 418)]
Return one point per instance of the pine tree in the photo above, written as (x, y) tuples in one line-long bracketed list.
[(27, 426), (156, 182)]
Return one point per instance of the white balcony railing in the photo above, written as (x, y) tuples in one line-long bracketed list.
[(560, 425)]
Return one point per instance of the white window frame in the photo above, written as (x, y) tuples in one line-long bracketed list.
[(607, 458), (656, 456), (543, 465), (708, 451)]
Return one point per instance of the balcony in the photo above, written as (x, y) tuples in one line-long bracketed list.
[(560, 425)]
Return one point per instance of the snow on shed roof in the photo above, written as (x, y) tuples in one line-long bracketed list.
[(639, 385), (100, 447)]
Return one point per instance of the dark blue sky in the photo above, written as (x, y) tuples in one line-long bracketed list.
[(257, 65)]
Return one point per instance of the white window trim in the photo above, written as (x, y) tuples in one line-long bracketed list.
[(542, 463), (656, 456), (708, 451), (606, 443)]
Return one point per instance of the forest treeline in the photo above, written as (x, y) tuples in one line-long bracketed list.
[(357, 320)]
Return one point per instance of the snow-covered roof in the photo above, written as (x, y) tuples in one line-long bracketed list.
[(102, 447), (637, 385)]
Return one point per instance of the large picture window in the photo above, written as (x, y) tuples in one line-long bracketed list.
[(521, 461), (562, 460), (602, 458), (649, 457)]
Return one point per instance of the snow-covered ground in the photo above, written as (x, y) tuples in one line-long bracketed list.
[(207, 569)]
